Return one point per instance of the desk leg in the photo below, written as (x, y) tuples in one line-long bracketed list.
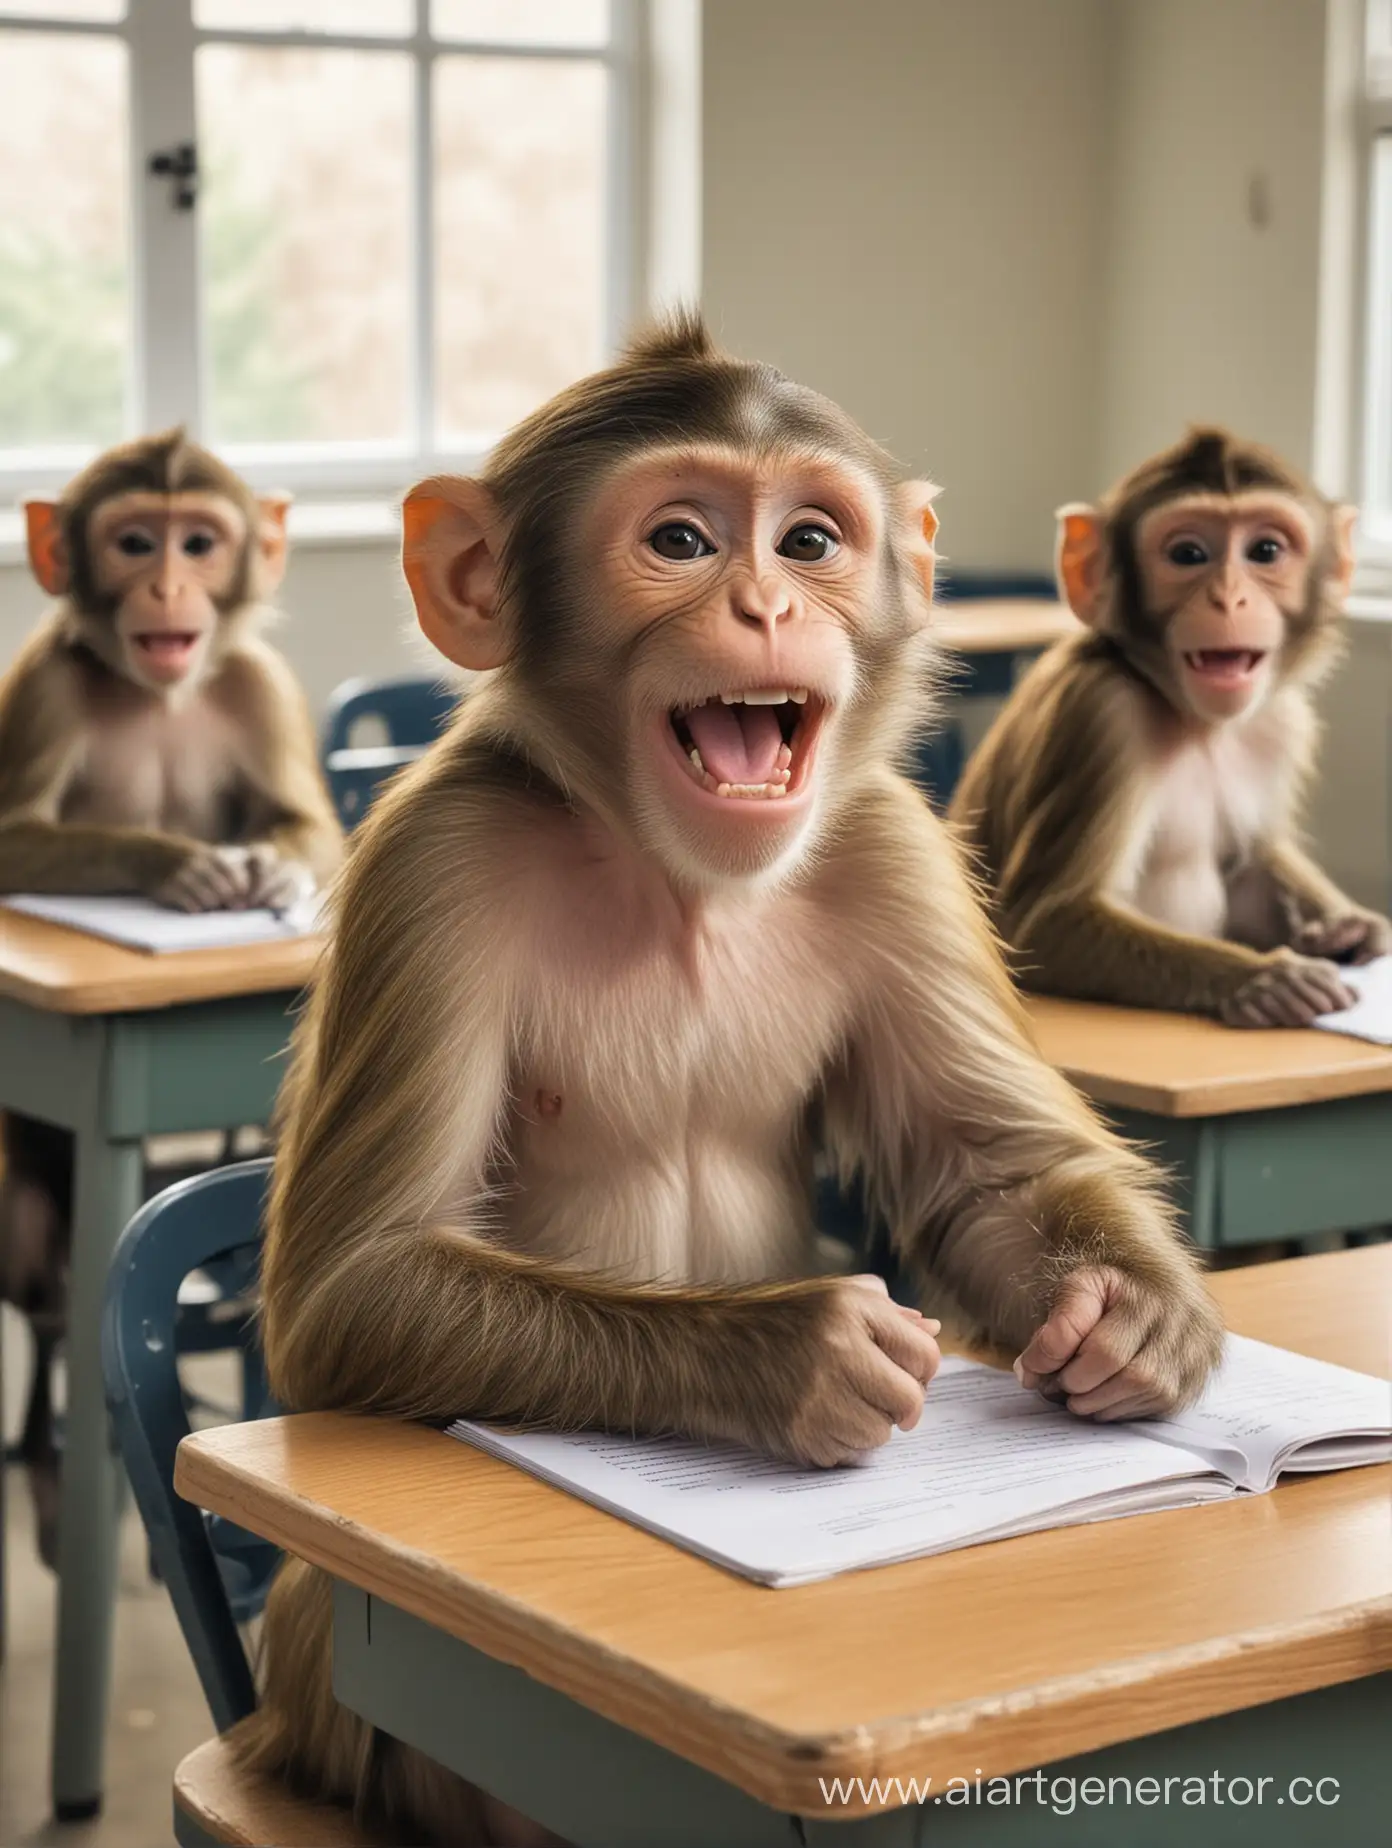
[(106, 1195)]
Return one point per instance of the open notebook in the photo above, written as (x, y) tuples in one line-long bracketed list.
[(140, 924), (1370, 1017), (988, 1461)]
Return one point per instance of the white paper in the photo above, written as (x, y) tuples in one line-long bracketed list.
[(1370, 1017), (140, 924), (1264, 1403), (988, 1460)]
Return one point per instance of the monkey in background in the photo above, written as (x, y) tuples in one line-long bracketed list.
[(683, 924), (1133, 808), (150, 742)]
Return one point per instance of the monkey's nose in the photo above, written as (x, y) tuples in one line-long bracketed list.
[(763, 609)]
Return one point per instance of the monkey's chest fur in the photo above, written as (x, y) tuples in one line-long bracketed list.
[(145, 762), (1189, 861), (662, 1075)]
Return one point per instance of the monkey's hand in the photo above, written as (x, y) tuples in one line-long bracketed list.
[(1289, 990), (1356, 937), (1117, 1346), (207, 879), (866, 1369), (277, 882)]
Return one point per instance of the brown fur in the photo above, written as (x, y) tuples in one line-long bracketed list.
[(437, 1246), (1055, 801)]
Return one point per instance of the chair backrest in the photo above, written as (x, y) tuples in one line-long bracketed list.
[(180, 1230), (412, 710)]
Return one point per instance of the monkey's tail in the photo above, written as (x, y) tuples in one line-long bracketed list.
[(300, 1734)]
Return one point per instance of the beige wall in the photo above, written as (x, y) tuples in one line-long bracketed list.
[(904, 205), (1217, 120)]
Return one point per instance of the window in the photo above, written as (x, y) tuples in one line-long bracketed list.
[(1377, 431), (345, 241)]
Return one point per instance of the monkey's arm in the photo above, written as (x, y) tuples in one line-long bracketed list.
[(991, 1170), (40, 732), (288, 806), (1321, 920), (1095, 948), (384, 1286)]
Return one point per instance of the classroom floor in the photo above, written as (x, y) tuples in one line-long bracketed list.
[(157, 1708)]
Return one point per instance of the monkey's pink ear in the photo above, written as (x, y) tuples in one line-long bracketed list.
[(1342, 522), (47, 556), (920, 528), (1080, 561), (451, 538), (272, 540)]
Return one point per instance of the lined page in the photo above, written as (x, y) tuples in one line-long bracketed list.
[(1264, 1403), (988, 1460)]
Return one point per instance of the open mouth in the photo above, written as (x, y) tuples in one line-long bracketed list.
[(168, 649), (1224, 667), (751, 746)]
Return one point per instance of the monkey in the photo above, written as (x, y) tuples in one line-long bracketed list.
[(683, 923), (150, 742), (1133, 808)]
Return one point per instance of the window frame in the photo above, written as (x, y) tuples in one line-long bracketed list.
[(164, 363), (1372, 420)]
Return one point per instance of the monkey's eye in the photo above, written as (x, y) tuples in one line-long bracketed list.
[(676, 539), (1186, 552), (808, 544), (135, 544), (198, 545), (1265, 551)]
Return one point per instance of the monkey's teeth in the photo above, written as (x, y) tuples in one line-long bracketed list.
[(798, 696), (759, 696), (695, 757), (784, 758)]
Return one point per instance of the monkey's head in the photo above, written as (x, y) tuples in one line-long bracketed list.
[(1215, 568), (161, 552), (705, 592)]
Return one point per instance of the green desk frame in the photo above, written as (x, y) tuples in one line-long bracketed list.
[(114, 1079), (602, 1786), (1306, 1172)]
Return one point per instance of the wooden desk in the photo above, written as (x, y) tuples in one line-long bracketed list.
[(116, 1046), (1005, 625), (1270, 1135), (626, 1692), (987, 641)]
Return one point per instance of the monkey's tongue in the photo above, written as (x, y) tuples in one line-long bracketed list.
[(168, 646), (738, 744)]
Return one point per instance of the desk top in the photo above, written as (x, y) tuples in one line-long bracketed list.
[(1000, 625), (1001, 1656), (1179, 1065), (69, 972)]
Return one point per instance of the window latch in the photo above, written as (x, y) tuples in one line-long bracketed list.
[(179, 165)]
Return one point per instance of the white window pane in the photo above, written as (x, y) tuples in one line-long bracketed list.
[(306, 214), (522, 22), (385, 18), (64, 265), (103, 11), (520, 235)]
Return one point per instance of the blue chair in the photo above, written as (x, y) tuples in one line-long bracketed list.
[(217, 1573), (411, 711)]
